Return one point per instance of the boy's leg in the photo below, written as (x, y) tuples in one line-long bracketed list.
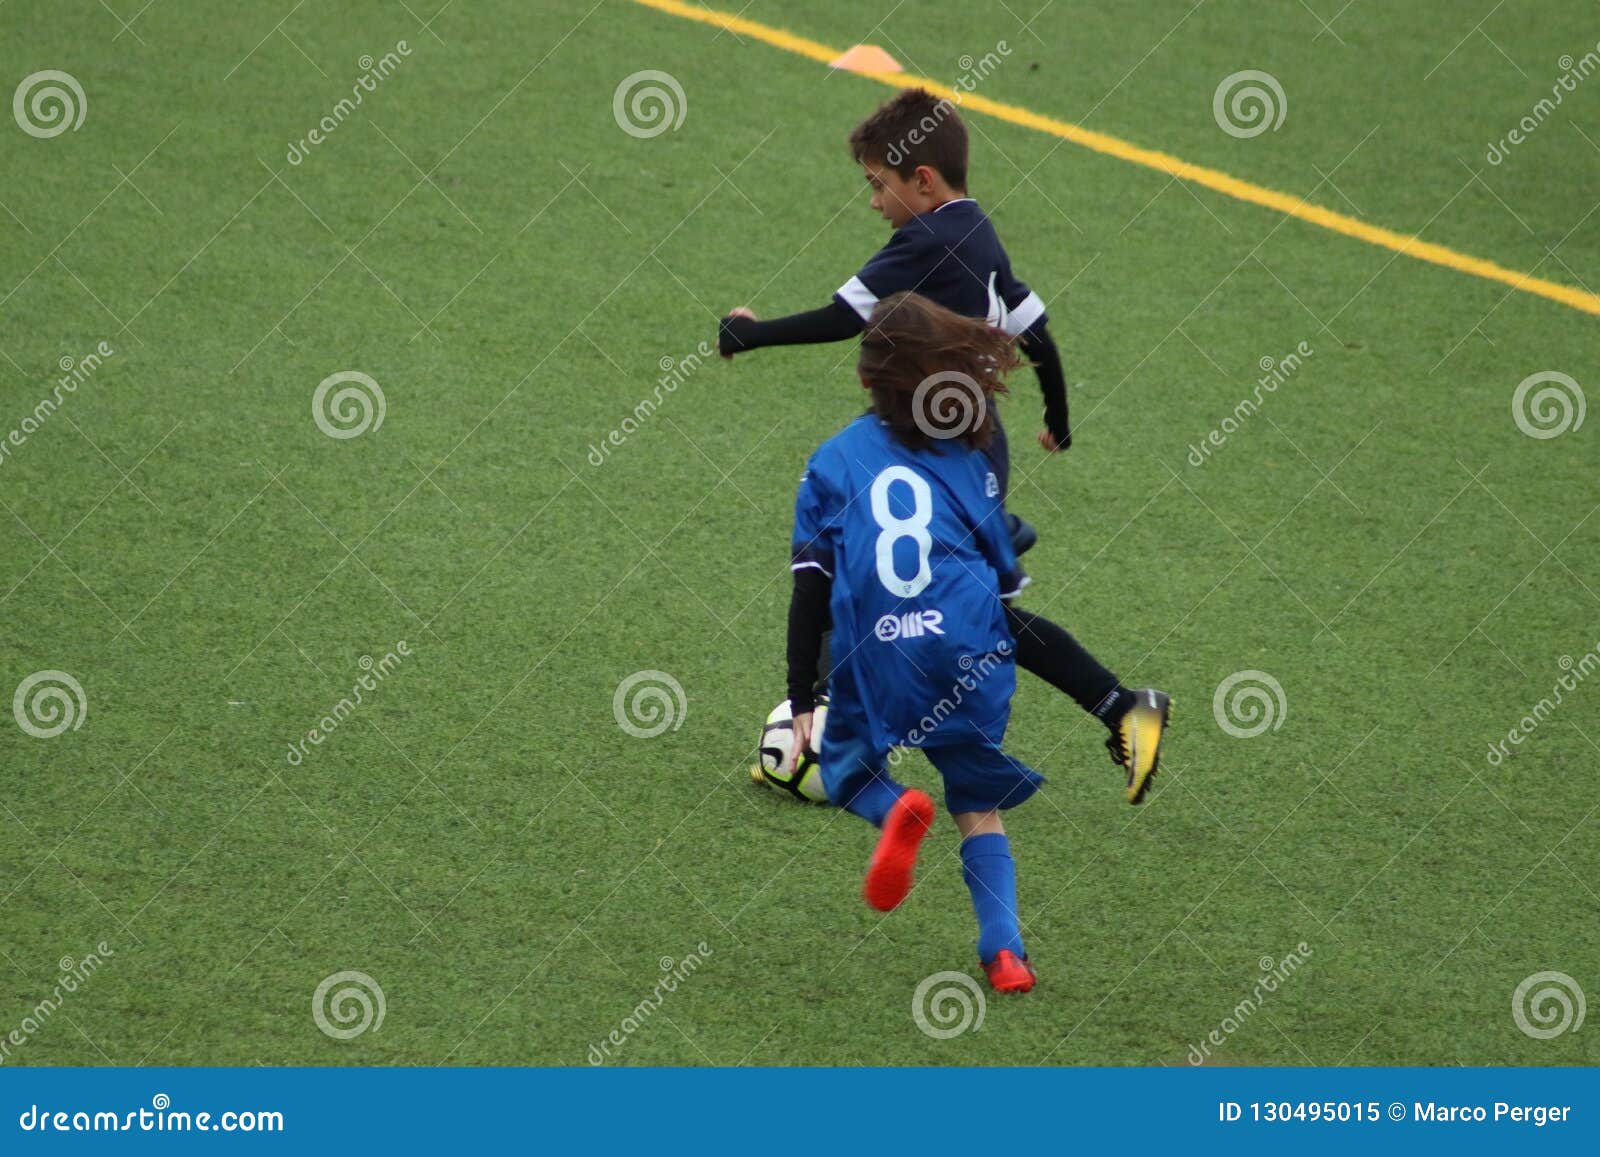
[(1051, 653), (980, 780), (858, 780), (991, 876), (1137, 719), (894, 860), (856, 776)]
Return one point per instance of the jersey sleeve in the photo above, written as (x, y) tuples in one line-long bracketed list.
[(1023, 308), (899, 265), (815, 521), (993, 536)]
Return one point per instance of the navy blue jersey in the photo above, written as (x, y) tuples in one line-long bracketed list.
[(953, 256), (916, 545)]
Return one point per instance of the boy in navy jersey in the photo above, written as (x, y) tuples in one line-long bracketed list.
[(913, 153), (899, 533)]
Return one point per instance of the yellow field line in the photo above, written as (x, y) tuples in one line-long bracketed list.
[(1162, 162)]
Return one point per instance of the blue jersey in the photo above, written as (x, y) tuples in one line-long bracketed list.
[(916, 545), (953, 256)]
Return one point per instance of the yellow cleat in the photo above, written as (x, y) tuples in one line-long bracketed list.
[(1135, 743)]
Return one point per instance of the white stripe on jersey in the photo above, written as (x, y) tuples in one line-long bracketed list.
[(859, 298), (1024, 315)]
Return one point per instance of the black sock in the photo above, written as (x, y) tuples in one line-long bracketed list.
[(1055, 656), (1115, 705)]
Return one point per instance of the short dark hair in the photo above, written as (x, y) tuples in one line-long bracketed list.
[(914, 128), (932, 372)]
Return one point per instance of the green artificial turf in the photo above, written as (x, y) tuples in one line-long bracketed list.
[(480, 837)]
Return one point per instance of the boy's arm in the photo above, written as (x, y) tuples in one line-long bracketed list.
[(739, 332), (811, 559), (808, 619), (1040, 348), (900, 264)]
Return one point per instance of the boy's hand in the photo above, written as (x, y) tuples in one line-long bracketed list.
[(802, 742), (738, 311), (1052, 444)]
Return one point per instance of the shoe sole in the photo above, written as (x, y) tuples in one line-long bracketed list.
[(1013, 989), (1140, 785), (889, 876)]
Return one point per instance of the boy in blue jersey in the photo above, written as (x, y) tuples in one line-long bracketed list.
[(900, 540), (913, 153)]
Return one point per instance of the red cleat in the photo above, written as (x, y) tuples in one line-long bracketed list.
[(889, 874), (1009, 974)]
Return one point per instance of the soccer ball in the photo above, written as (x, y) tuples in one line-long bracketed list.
[(777, 739)]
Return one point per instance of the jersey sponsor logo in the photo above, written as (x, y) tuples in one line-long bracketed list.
[(991, 485), (910, 625)]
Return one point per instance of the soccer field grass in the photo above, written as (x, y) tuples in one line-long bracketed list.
[(516, 871)]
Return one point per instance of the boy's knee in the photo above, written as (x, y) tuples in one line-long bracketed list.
[(979, 823)]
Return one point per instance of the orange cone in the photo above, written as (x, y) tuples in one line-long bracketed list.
[(866, 58)]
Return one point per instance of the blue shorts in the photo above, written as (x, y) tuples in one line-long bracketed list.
[(978, 776)]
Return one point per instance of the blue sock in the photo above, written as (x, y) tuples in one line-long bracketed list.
[(991, 876)]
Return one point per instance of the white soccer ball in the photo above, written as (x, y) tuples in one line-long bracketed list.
[(777, 740)]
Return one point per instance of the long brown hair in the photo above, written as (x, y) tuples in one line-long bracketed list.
[(932, 372)]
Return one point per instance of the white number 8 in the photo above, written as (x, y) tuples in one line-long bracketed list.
[(894, 529)]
